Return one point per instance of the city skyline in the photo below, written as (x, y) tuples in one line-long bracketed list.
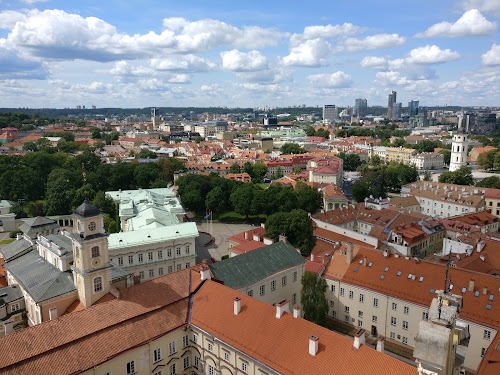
[(223, 53)]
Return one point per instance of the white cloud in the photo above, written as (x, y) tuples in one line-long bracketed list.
[(486, 6), (471, 23), (492, 57), (180, 78), (391, 78), (9, 18), (18, 67), (190, 63), (324, 32), (311, 53), (373, 62), (260, 87), (33, 1), (374, 42), (335, 80), (431, 55), (124, 69), (237, 61)]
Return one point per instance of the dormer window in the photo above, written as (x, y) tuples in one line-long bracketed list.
[(92, 226)]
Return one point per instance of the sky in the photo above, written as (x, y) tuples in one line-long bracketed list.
[(274, 53)]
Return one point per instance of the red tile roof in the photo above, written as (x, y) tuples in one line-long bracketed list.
[(490, 365)]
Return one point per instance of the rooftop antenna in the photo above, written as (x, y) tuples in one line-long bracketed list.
[(447, 288)]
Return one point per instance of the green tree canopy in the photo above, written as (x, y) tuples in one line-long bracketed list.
[(351, 161), (292, 148), (490, 182), (313, 298), (462, 176)]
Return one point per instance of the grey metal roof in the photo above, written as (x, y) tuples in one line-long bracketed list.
[(62, 241), (9, 294), (39, 220), (247, 269), (14, 249), (87, 209), (118, 273), (40, 279)]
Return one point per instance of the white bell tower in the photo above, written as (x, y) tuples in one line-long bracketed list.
[(459, 148)]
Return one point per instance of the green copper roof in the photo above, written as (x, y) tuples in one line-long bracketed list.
[(247, 269)]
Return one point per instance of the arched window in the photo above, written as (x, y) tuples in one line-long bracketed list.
[(98, 284), (95, 252)]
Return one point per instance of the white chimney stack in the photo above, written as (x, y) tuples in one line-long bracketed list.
[(380, 344), (205, 273), (312, 257), (471, 285), (237, 305), (313, 345), (281, 307), (359, 338), (246, 235), (297, 313), (8, 327)]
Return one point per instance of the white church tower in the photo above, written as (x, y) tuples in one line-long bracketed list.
[(459, 147)]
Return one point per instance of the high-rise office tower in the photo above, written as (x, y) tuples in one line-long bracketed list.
[(413, 108), (396, 111), (330, 112), (390, 103), (360, 108)]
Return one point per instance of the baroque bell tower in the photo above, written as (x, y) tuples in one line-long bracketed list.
[(91, 267)]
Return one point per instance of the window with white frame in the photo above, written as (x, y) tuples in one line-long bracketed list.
[(361, 298), (483, 352), (171, 348), (157, 355), (160, 254), (347, 319), (130, 367), (346, 309), (196, 361), (332, 288), (405, 340), (351, 294), (283, 281), (360, 323), (295, 276), (374, 318), (141, 258), (487, 334), (188, 264), (186, 362), (393, 321), (178, 267), (262, 290), (195, 337), (425, 316), (170, 269), (375, 302), (160, 271), (294, 298), (250, 293), (360, 314), (405, 325), (187, 249), (141, 275), (394, 306), (98, 284), (210, 347), (151, 273), (130, 259), (341, 291), (14, 307), (332, 303), (226, 356), (120, 261), (169, 253), (172, 369), (393, 335), (178, 250), (273, 285), (150, 256), (406, 310), (244, 367), (211, 370)]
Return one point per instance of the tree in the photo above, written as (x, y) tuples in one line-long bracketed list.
[(427, 175), (216, 200), (61, 190), (313, 298), (490, 182), (447, 156), (462, 176), (146, 154), (296, 226), (235, 168), (96, 134), (351, 161), (242, 199), (486, 160), (292, 148), (308, 198), (427, 145), (309, 130), (324, 133)]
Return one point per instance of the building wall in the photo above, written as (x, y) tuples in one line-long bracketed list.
[(347, 232), (493, 205), (444, 208)]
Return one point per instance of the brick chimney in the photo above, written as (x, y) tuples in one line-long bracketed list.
[(281, 307), (205, 272), (313, 345), (237, 305), (297, 313), (359, 338), (380, 343), (349, 253), (365, 261)]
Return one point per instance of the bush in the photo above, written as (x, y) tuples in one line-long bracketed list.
[(14, 233)]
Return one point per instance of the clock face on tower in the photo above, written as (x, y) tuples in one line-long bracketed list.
[(96, 262), (92, 226)]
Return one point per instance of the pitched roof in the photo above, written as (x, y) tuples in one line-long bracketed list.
[(246, 269), (490, 365), (16, 248), (40, 279), (282, 344)]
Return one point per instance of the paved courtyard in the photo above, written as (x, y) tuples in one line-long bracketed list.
[(219, 247)]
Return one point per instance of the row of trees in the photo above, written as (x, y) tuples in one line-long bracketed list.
[(310, 132), (489, 160)]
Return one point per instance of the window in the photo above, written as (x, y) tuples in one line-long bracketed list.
[(172, 369), (394, 306), (14, 307), (195, 337), (150, 256), (425, 316), (483, 351), (333, 288), (405, 340), (406, 310), (169, 253), (130, 367), (226, 356), (120, 261), (188, 264), (210, 347), (374, 318), (262, 290), (341, 291), (361, 298), (346, 309), (170, 269), (185, 341), (405, 325), (273, 286), (360, 314), (244, 367), (77, 252), (375, 302), (141, 258), (351, 294), (178, 250), (332, 303), (98, 284), (211, 370), (187, 249), (295, 276), (347, 319), (157, 355), (393, 321), (486, 334), (95, 252), (283, 281), (160, 254), (92, 226), (151, 273), (160, 271), (196, 361), (130, 259), (294, 298), (171, 348), (250, 293), (360, 323), (393, 335), (186, 362), (179, 267), (141, 275)]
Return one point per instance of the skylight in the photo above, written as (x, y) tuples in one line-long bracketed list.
[(491, 297), (386, 269), (488, 306), (399, 273), (370, 264), (360, 261), (382, 277), (432, 290), (421, 278), (464, 289), (476, 293), (356, 269)]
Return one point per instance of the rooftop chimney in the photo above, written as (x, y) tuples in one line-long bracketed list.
[(53, 313), (348, 254), (282, 238), (480, 246), (246, 235), (471, 285), (8, 327), (359, 338), (297, 313), (237, 305), (281, 307), (312, 257), (365, 261), (380, 343), (205, 273), (313, 345), (485, 290)]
